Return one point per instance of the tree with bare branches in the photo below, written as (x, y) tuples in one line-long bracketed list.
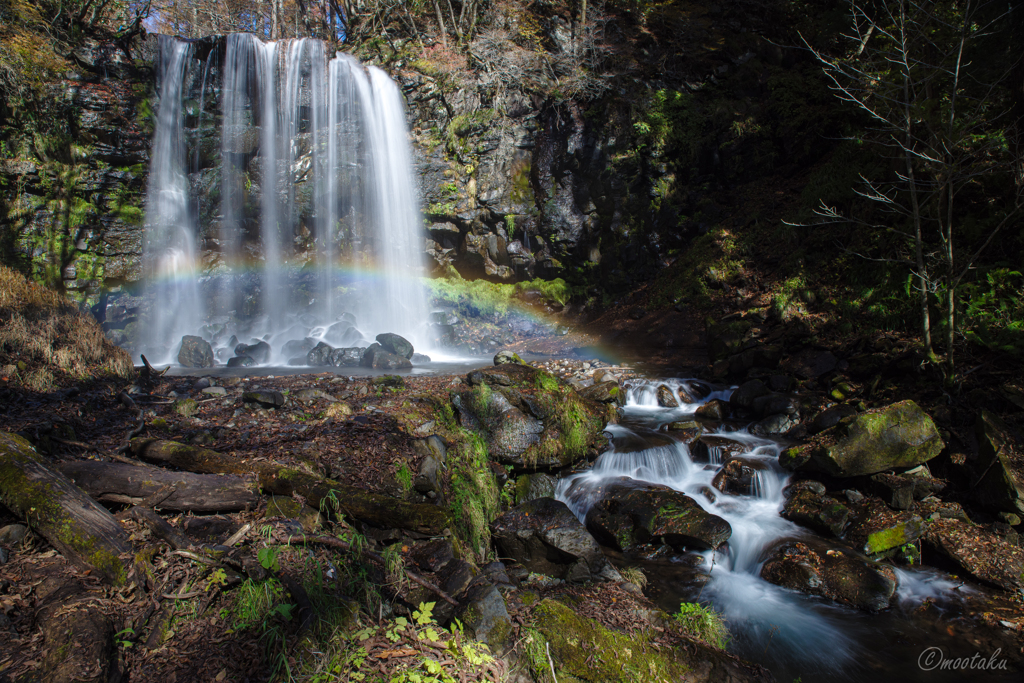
[(925, 76)]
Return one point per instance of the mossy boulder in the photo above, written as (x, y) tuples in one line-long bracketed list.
[(581, 649), (837, 574), (874, 528), (897, 436), (634, 513), (815, 510), (1001, 486), (530, 418)]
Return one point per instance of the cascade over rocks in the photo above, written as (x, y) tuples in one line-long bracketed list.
[(895, 436)]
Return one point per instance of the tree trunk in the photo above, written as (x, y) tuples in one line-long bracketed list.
[(375, 508), (440, 24), (274, 27), (114, 482), (83, 531), (78, 637)]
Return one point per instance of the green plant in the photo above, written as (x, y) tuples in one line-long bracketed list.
[(404, 476), (702, 622)]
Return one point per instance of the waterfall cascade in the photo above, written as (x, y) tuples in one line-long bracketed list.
[(798, 636), (313, 230)]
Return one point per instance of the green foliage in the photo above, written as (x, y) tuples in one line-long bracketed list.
[(704, 623), (671, 120), (442, 655), (480, 298), (475, 498), (992, 310), (269, 558), (404, 476), (186, 407)]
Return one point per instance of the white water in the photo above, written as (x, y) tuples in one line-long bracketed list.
[(169, 237), (301, 132), (804, 635)]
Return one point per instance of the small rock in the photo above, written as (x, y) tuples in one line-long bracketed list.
[(533, 486), (426, 479), (715, 409), (202, 383), (241, 362), (667, 399), (503, 357), (13, 534), (744, 395), (264, 397), (419, 359), (215, 391)]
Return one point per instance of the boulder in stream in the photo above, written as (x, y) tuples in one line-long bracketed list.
[(545, 536), (632, 513), (376, 356), (393, 343), (320, 355), (835, 573), (894, 436), (259, 352), (195, 352), (809, 506)]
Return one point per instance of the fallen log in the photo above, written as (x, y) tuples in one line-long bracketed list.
[(158, 526), (375, 508), (114, 482), (76, 525), (78, 637)]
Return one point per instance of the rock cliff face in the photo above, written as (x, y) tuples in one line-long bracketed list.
[(74, 200), (601, 186)]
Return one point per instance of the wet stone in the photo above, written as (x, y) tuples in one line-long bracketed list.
[(837, 574), (195, 352), (241, 362), (739, 476), (633, 513), (808, 506), (715, 409)]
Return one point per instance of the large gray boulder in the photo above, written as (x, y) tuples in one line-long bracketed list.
[(376, 356), (633, 513), (897, 436), (393, 343), (195, 352), (544, 536)]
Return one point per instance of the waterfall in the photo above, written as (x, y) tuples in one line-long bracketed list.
[(319, 231), (169, 237)]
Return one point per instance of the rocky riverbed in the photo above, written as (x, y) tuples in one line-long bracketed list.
[(521, 500)]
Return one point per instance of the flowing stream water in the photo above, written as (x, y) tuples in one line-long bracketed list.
[(317, 233), (798, 637)]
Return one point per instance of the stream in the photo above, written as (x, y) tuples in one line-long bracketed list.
[(932, 624)]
